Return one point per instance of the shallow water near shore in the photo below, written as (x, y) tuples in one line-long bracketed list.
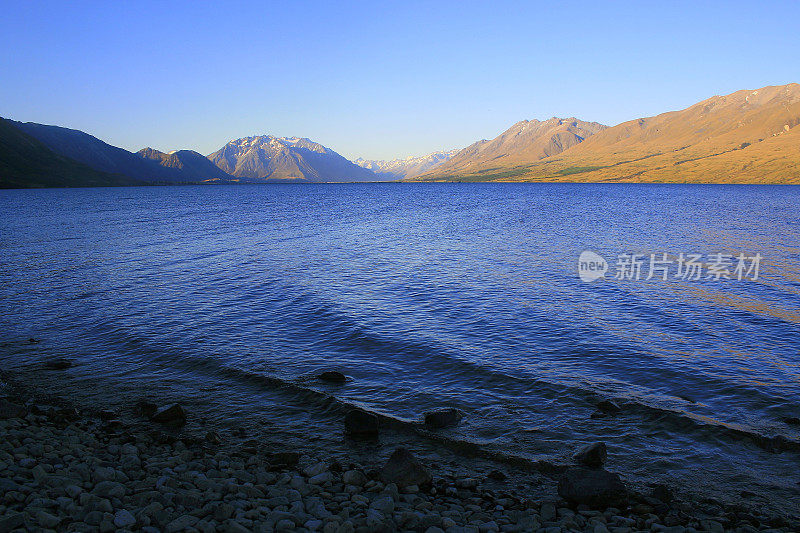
[(230, 299)]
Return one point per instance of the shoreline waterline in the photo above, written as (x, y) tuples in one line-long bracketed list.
[(488, 494)]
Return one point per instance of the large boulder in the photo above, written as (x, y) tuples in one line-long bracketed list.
[(361, 424), (593, 487), (173, 415), (442, 418), (592, 455), (404, 470)]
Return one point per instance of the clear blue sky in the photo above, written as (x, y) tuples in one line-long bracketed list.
[(372, 79)]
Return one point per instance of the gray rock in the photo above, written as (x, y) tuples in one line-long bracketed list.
[(46, 520), (123, 518), (712, 526), (354, 477), (548, 512), (592, 455), (12, 521), (403, 470), (109, 489), (181, 523), (595, 488), (383, 504)]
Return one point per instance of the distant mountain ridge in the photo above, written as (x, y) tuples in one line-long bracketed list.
[(408, 167), (27, 162), (264, 157), (193, 165), (524, 142), (101, 156)]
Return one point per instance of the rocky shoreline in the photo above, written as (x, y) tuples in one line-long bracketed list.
[(64, 468)]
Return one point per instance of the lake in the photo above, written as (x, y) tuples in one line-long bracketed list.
[(232, 298)]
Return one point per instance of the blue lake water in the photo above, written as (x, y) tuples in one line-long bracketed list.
[(428, 295)]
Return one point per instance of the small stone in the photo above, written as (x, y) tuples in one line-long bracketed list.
[(361, 424), (403, 470), (548, 512), (320, 479), (592, 455), (354, 477), (46, 520), (109, 489), (223, 511), (284, 525), (12, 521), (124, 518), (383, 504), (468, 483), (497, 475), (181, 523), (73, 491), (712, 526), (442, 418), (332, 376)]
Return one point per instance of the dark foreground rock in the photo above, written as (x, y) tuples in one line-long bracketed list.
[(442, 418), (608, 406), (592, 455), (332, 376), (145, 408), (58, 363), (11, 410), (596, 488), (174, 414), (404, 470), (361, 424)]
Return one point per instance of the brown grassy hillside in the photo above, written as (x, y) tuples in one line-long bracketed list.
[(744, 137)]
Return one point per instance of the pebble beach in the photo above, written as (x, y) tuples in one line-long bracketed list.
[(64, 468)]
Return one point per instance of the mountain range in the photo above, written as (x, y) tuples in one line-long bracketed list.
[(194, 166), (263, 158), (748, 136), (408, 167)]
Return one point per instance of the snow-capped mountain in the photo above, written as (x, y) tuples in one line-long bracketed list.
[(408, 167), (265, 157)]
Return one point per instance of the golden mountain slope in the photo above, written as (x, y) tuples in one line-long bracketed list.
[(524, 142), (744, 137)]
